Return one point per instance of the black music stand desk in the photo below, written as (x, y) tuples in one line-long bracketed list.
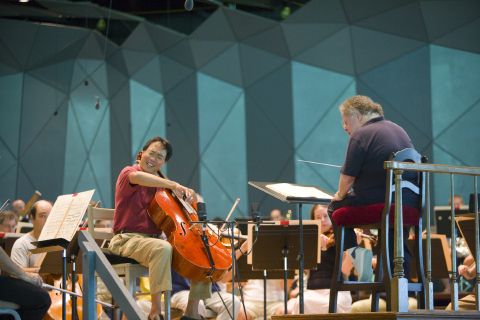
[(295, 194)]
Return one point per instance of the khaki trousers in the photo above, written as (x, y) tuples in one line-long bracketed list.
[(156, 255)]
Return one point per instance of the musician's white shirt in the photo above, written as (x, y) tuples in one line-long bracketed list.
[(253, 290), (21, 254)]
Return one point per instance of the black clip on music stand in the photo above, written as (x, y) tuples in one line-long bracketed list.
[(264, 187), (276, 249)]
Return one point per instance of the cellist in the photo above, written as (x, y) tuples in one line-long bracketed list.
[(137, 237)]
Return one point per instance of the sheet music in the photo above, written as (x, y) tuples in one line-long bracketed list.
[(66, 214), (290, 190)]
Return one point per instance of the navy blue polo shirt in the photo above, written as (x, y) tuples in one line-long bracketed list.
[(369, 146)]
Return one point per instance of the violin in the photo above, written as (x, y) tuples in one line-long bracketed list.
[(331, 238), (198, 254), (55, 311), (226, 237)]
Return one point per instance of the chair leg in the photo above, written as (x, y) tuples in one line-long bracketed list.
[(166, 300), (387, 274), (337, 269), (421, 302), (375, 306)]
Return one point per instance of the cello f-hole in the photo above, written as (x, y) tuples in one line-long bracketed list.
[(182, 225)]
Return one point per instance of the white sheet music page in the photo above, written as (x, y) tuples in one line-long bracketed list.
[(66, 214), (291, 190)]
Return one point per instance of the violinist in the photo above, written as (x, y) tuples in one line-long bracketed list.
[(137, 237), (317, 294)]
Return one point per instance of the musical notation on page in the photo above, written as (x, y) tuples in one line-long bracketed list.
[(297, 191), (67, 212)]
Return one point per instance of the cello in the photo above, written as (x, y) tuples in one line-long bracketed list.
[(197, 253)]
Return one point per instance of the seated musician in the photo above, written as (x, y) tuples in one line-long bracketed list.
[(316, 297), (21, 291), (18, 206), (137, 237), (372, 141), (468, 270), (220, 303), (8, 221), (21, 253)]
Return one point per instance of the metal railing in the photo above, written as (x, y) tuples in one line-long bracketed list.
[(95, 261), (399, 286)]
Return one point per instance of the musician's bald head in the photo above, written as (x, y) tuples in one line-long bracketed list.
[(39, 207), (18, 206), (276, 215), (39, 214)]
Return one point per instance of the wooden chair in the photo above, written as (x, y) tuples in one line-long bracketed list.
[(380, 216)]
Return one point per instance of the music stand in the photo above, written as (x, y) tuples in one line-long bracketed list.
[(7, 240), (277, 247), (466, 226), (440, 254), (295, 194), (245, 272), (67, 251)]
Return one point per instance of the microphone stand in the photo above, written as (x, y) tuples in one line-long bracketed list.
[(202, 217)]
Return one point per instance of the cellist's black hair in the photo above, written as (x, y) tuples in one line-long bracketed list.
[(164, 142)]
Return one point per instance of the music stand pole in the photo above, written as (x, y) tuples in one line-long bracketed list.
[(232, 245), (285, 276), (74, 281), (300, 259), (265, 294), (64, 284)]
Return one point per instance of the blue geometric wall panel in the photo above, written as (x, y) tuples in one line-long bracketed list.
[(318, 130), (222, 145)]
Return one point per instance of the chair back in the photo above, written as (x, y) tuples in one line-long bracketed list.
[(96, 214), (11, 312), (413, 181), (410, 180)]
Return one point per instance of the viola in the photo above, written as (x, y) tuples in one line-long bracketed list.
[(193, 257)]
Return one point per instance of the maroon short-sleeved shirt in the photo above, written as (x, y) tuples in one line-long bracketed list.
[(131, 204)]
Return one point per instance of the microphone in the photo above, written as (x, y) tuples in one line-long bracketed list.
[(202, 211), (188, 5), (255, 214)]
